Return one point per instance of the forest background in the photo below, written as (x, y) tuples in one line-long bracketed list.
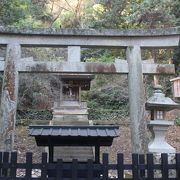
[(108, 97)]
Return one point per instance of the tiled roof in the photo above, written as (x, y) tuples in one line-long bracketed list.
[(75, 131)]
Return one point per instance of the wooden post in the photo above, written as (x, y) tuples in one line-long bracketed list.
[(136, 99), (97, 153), (9, 97), (51, 153)]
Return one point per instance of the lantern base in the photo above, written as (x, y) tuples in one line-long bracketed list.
[(158, 143), (159, 147)]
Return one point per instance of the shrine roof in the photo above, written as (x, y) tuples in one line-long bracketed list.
[(74, 135), (55, 130), (77, 76)]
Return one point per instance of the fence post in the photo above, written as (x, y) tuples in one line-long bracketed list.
[(164, 168), (90, 169), (5, 163), (178, 165), (120, 166), (135, 168), (28, 165), (44, 166), (13, 165), (150, 167), (1, 157), (74, 169), (59, 169), (142, 162), (9, 166), (105, 166)]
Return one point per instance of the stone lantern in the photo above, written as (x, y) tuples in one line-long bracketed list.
[(158, 104)]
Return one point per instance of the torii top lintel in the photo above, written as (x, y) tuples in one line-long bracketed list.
[(91, 37)]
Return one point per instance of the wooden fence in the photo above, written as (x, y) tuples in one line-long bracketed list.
[(141, 168)]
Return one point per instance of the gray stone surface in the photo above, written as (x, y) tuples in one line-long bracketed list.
[(158, 101), (90, 37), (136, 99), (74, 54), (9, 98), (158, 143), (94, 41), (92, 32), (29, 65)]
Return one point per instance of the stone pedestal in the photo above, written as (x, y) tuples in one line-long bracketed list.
[(71, 113), (158, 143)]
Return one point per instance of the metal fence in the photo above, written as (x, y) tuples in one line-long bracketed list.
[(141, 168)]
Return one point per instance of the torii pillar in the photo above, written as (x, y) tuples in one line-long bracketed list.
[(9, 97), (136, 99)]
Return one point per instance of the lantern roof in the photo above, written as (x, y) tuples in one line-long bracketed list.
[(160, 102)]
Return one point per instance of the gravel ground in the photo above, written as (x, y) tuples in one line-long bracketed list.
[(122, 144)]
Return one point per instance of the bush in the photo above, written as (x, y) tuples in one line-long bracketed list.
[(177, 120), (34, 114)]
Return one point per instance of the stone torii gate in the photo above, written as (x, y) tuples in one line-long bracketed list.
[(75, 39)]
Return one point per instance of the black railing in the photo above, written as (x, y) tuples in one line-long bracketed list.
[(141, 168)]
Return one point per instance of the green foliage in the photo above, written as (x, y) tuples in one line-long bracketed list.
[(33, 92), (57, 23), (110, 14), (1, 80), (176, 12), (108, 114), (177, 120), (22, 13), (68, 20), (151, 13), (28, 22), (34, 114), (13, 11), (108, 98), (95, 14), (108, 102), (102, 55)]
